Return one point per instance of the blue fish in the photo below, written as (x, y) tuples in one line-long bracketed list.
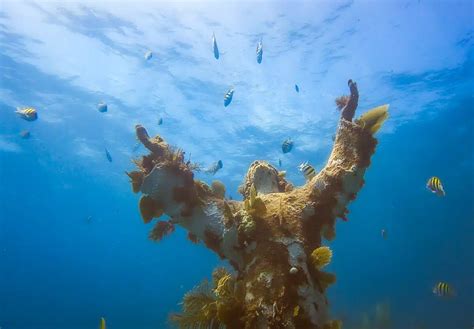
[(160, 121), (215, 167), (102, 107), (259, 52), (279, 162), (228, 97), (287, 145), (148, 55), (214, 46), (25, 134), (297, 88), (107, 154)]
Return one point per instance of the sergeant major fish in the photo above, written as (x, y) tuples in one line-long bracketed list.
[(27, 113), (228, 97), (442, 289), (435, 186), (308, 171)]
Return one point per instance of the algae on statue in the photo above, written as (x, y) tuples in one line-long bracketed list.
[(268, 238)]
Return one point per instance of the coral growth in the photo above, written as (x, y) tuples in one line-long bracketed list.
[(216, 305), (160, 230), (321, 257), (272, 239)]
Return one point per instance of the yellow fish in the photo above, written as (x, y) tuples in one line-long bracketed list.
[(442, 289), (102, 323), (27, 113), (435, 186), (308, 171)]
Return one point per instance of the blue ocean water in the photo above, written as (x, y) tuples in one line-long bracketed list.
[(73, 247)]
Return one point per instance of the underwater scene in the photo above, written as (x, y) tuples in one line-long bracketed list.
[(237, 164)]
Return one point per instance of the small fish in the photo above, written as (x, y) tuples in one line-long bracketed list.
[(308, 171), (102, 323), (297, 88), (107, 154), (442, 289), (160, 121), (89, 219), (215, 167), (214, 46), (25, 134), (228, 97), (102, 107), (384, 234), (27, 113), (287, 145), (279, 162), (148, 55), (259, 52), (435, 186)]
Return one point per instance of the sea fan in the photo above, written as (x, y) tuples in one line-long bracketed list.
[(321, 257), (199, 309), (160, 230)]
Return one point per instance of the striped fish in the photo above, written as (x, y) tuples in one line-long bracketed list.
[(442, 289), (259, 52), (27, 113), (287, 145), (228, 97), (308, 171), (214, 46), (435, 186)]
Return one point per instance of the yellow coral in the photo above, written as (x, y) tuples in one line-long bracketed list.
[(199, 309), (224, 286), (321, 257), (254, 205), (373, 119)]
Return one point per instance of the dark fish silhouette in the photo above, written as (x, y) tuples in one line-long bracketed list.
[(107, 154), (259, 52), (214, 46)]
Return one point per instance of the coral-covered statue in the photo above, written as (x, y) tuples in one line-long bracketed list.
[(272, 239)]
